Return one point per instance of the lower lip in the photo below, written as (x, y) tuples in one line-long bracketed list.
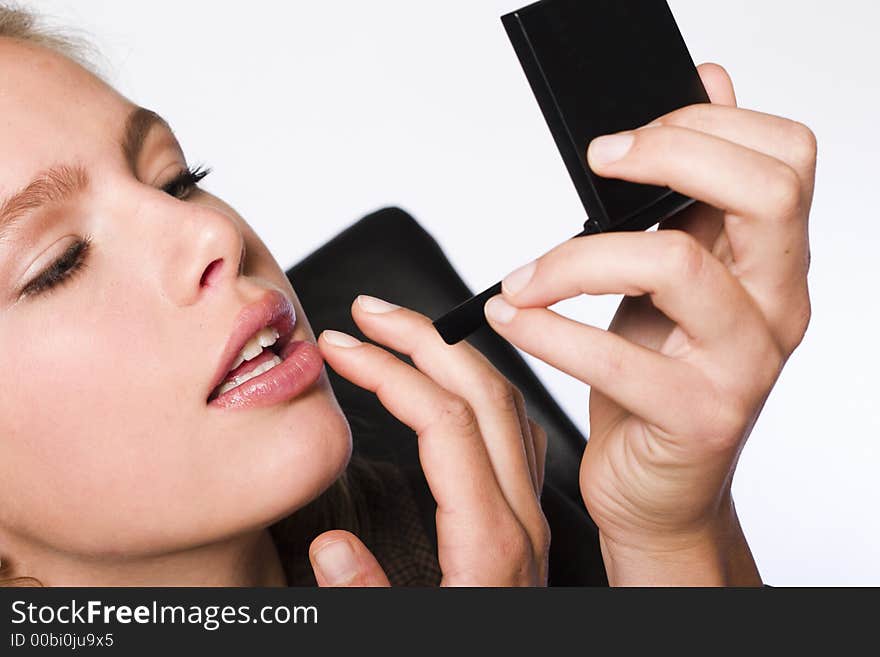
[(301, 367)]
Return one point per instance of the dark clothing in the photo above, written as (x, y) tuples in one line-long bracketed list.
[(388, 521)]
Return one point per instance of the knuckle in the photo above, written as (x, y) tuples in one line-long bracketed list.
[(569, 251), (727, 423), (683, 255), (455, 412), (660, 138), (771, 364), (804, 316), (785, 194), (387, 362), (769, 357), (735, 406), (798, 321), (803, 143), (500, 393), (543, 537), (514, 547)]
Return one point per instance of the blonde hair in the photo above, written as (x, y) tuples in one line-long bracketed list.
[(24, 25)]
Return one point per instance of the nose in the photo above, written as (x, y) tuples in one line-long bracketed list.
[(208, 251)]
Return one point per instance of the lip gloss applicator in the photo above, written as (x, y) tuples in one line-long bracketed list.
[(597, 68)]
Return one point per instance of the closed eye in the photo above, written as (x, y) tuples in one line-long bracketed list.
[(63, 269), (74, 258), (183, 184)]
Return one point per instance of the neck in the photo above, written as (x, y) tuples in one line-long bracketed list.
[(248, 560)]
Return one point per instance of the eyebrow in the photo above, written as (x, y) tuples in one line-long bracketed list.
[(62, 182), (137, 127), (49, 187)]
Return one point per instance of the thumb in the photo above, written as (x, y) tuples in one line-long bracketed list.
[(718, 84), (340, 559)]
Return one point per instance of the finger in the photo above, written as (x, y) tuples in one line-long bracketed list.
[(789, 141), (706, 226), (644, 382), (724, 174), (761, 194), (451, 449), (754, 243), (778, 137), (528, 441), (539, 439), (684, 281), (465, 372), (718, 84), (339, 558)]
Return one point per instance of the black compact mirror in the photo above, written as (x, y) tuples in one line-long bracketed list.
[(597, 67)]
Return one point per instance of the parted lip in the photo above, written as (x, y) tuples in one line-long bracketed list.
[(272, 309)]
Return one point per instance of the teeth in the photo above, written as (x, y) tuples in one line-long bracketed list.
[(237, 381), (265, 337)]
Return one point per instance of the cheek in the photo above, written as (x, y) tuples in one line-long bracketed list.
[(91, 417)]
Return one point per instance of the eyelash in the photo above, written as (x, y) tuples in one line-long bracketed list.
[(183, 184), (74, 259)]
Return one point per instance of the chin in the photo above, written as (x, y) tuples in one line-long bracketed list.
[(313, 449), (264, 469)]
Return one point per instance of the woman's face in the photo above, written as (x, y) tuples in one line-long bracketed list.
[(109, 444)]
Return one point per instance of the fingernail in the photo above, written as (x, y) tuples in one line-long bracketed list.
[(340, 339), (517, 280), (498, 310), (611, 148), (374, 305), (337, 562)]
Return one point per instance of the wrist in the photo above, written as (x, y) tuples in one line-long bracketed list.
[(715, 554)]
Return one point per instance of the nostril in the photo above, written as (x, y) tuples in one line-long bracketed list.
[(211, 272)]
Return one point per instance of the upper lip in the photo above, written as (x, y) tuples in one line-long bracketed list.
[(272, 309)]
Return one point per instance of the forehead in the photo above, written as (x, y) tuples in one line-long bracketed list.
[(52, 110)]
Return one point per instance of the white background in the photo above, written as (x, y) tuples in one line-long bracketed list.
[(315, 113)]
